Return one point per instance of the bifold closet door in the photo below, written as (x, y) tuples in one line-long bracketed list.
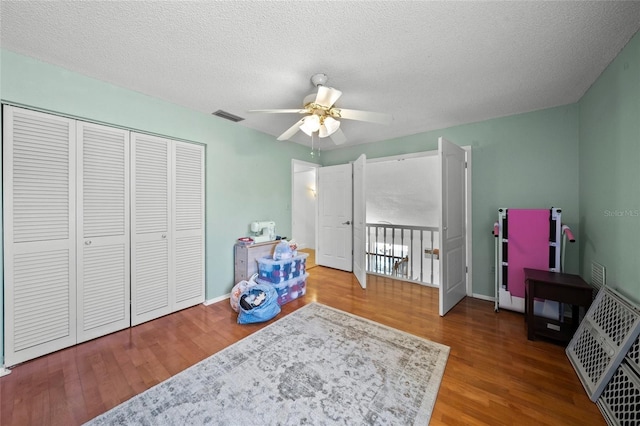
[(39, 185), (151, 264), (103, 252), (167, 228), (188, 214)]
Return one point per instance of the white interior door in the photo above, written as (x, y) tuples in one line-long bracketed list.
[(335, 237), (452, 225), (103, 243), (39, 233), (359, 220)]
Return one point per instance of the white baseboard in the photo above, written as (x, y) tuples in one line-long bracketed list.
[(483, 297), (216, 299), (4, 371)]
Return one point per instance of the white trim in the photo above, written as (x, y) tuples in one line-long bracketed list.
[(4, 371), (469, 222), (403, 156), (309, 166), (483, 297), (216, 299)]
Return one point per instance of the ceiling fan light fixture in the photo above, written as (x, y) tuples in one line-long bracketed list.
[(310, 124), (322, 118), (329, 126), (319, 79)]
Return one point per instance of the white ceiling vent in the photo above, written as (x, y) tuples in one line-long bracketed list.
[(227, 116)]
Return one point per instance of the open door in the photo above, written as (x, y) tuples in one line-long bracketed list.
[(359, 221), (453, 285), (335, 238)]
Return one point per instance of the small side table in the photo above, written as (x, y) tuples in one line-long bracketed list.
[(563, 288)]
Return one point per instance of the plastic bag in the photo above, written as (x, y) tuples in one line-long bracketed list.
[(258, 304), (282, 251), (240, 288)]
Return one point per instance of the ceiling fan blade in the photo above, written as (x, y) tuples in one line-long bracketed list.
[(338, 137), (291, 131), (327, 96), (354, 114), (280, 111)]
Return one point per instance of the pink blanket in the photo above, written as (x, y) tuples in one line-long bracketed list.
[(528, 245)]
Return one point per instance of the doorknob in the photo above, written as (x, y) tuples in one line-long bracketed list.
[(347, 222)]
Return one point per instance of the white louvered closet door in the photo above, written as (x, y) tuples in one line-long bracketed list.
[(103, 246), (39, 234), (188, 224), (151, 267)]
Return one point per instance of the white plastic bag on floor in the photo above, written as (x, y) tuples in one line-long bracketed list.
[(240, 288)]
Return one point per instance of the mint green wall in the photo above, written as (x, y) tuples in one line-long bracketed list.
[(248, 173), (522, 161), (610, 173)]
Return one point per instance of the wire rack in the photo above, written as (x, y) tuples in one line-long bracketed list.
[(619, 403), (608, 331)]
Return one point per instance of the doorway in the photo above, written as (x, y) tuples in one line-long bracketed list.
[(465, 180), (403, 211), (304, 199)]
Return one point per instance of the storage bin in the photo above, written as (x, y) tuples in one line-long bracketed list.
[(290, 289), (279, 271), (284, 295)]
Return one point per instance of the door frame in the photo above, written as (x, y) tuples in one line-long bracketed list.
[(335, 227), (301, 163), (359, 219)]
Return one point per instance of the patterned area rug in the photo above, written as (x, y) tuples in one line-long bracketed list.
[(317, 365)]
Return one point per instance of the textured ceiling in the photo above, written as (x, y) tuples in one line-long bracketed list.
[(430, 65)]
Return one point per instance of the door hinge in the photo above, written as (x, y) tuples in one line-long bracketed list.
[(466, 269), (465, 164)]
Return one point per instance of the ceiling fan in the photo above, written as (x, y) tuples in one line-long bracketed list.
[(322, 117)]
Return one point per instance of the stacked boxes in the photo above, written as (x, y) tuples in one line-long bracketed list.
[(288, 276)]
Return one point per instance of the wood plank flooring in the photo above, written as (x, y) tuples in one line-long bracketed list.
[(494, 375), (311, 260)]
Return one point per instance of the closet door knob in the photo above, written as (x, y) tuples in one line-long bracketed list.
[(87, 243), (164, 235)]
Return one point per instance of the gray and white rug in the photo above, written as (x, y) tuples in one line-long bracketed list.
[(317, 366)]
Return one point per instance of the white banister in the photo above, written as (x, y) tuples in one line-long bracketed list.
[(400, 251)]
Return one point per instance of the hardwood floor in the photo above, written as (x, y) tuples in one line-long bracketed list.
[(311, 260), (494, 375)]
